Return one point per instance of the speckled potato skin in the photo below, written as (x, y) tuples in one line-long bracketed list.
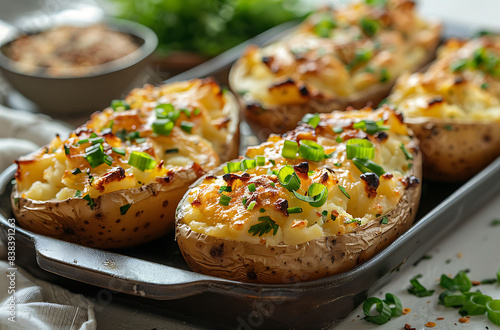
[(280, 119), (150, 216), (455, 151), (325, 256)]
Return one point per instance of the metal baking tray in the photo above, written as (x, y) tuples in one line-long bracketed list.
[(154, 276)]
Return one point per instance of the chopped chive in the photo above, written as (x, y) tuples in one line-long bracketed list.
[(140, 140), (408, 155), (265, 225), (384, 221), (224, 200), (262, 210), (338, 129), (484, 86), (337, 164), (120, 151), (162, 126), (90, 201), (261, 160), (76, 171), (324, 214), (251, 187), (448, 128), (66, 150), (290, 149), (339, 139), (172, 151), (244, 200), (124, 209), (251, 205), (196, 111), (310, 173), (186, 112), (120, 105), (352, 221), (78, 194), (295, 209), (83, 141), (342, 189), (141, 160), (187, 126), (311, 119), (272, 161)]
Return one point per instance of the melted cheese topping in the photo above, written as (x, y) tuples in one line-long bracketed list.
[(463, 84), (60, 170), (310, 63), (204, 214)]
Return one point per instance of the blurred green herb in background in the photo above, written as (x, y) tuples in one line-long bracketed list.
[(208, 27)]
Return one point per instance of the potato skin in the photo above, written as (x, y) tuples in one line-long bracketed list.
[(325, 256), (455, 151), (264, 120), (149, 216)]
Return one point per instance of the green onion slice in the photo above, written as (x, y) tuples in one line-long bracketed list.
[(162, 126), (225, 188), (295, 209), (317, 195), (95, 155), (234, 166), (476, 305), (187, 126), (342, 189), (384, 311), (366, 165), (312, 151), (261, 160), (167, 111), (370, 26), (359, 148), (311, 119), (251, 205), (120, 105), (119, 151), (141, 161), (418, 289), (251, 187), (493, 309), (172, 151), (224, 200), (391, 299), (338, 129), (288, 178), (290, 149), (248, 164)]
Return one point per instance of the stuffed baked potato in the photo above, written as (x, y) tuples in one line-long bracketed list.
[(454, 108), (335, 59), (116, 181), (318, 201)]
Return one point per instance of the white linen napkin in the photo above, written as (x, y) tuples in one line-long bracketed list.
[(38, 304)]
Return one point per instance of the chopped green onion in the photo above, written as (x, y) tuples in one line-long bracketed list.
[(97, 140), (493, 308), (265, 225), (108, 160), (251, 187), (310, 173), (484, 86), (339, 139), (167, 111), (225, 188), (462, 281), (366, 165), (391, 299), (124, 209), (272, 161), (172, 151), (452, 298), (370, 26), (244, 200), (324, 26), (262, 210), (384, 221), (78, 194), (295, 209), (186, 112), (187, 126), (119, 151), (141, 161), (476, 305), (90, 201), (311, 119), (342, 189), (408, 155), (66, 150), (224, 200), (290, 149), (498, 275), (312, 151), (251, 205), (83, 141), (196, 111), (261, 160), (317, 195), (384, 75), (234, 167), (95, 155), (338, 129), (352, 221), (359, 148), (140, 140), (76, 171), (361, 56), (120, 105), (248, 164), (288, 178), (384, 311), (337, 164), (418, 289), (162, 126)]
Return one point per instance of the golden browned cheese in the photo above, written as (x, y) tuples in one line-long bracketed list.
[(353, 198), (337, 54), (463, 84), (75, 188)]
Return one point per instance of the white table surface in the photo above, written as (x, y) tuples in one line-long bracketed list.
[(473, 245)]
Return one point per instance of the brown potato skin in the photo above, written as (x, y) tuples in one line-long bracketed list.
[(280, 119), (149, 216), (455, 151), (325, 256)]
